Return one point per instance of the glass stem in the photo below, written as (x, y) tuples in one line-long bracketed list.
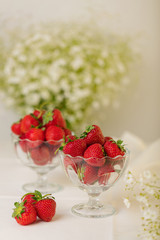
[(93, 201), (42, 180)]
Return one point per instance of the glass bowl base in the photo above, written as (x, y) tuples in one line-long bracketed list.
[(84, 210), (47, 188)]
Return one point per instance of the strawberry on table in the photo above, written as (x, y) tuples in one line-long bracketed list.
[(28, 122), (24, 213), (41, 155), (113, 148), (94, 155), (93, 134), (45, 206), (87, 173), (35, 137), (29, 198), (54, 134)]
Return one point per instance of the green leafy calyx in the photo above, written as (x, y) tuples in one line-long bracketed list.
[(119, 144), (19, 209), (47, 116), (88, 129)]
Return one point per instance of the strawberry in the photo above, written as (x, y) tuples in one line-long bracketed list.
[(35, 137), (54, 118), (107, 168), (54, 134), (107, 139), (39, 114), (41, 155), (113, 148), (45, 206), (29, 198), (16, 128), (70, 138), (23, 143), (87, 173), (93, 134), (69, 163), (67, 131), (28, 122), (75, 147), (24, 213), (94, 155)]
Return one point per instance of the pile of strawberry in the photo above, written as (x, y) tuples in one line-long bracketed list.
[(34, 205), (92, 156), (41, 133)]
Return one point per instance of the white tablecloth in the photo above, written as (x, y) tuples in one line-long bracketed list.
[(122, 226)]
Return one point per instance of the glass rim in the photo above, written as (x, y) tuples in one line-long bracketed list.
[(17, 138), (105, 157)]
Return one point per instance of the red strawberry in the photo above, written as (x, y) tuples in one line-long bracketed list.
[(28, 122), (67, 131), (39, 114), (70, 138), (54, 118), (114, 149), (107, 168), (93, 134), (23, 143), (35, 137), (45, 206), (107, 139), (94, 155), (24, 213), (87, 174), (29, 198), (69, 163), (53, 149), (41, 155), (54, 134), (16, 128), (75, 148)]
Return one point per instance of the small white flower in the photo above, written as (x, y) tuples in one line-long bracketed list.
[(127, 202), (128, 178), (121, 67), (14, 80), (77, 63), (147, 174), (33, 98), (150, 214), (142, 199)]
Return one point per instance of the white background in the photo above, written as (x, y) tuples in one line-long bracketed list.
[(139, 108)]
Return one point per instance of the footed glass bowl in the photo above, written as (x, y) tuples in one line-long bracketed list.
[(94, 181), (42, 157)]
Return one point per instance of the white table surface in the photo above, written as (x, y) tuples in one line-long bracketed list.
[(122, 226)]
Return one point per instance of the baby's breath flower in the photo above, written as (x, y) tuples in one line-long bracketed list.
[(127, 202), (75, 68), (146, 191)]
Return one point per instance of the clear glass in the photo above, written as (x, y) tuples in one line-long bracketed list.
[(94, 180), (42, 157)]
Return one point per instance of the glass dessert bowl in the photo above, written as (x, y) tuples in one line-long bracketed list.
[(94, 181), (42, 157)]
